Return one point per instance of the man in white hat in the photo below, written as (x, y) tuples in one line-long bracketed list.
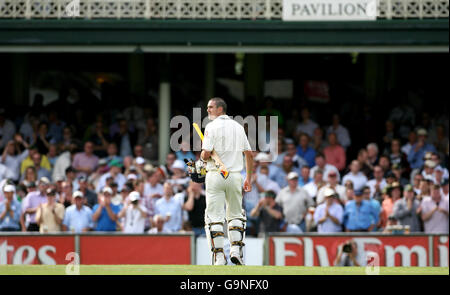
[(32, 202), (329, 215), (78, 217), (134, 213), (295, 202), (10, 210)]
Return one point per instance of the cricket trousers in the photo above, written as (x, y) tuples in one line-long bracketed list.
[(221, 192)]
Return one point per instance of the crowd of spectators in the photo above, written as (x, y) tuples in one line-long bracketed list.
[(109, 178)]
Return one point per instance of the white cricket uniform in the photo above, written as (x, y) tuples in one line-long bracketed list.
[(228, 139)]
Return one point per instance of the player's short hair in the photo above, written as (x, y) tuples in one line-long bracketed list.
[(220, 103)]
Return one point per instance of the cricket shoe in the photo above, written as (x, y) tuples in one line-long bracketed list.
[(236, 259), (220, 259)]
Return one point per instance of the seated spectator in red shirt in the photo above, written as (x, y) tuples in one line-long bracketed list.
[(335, 153)]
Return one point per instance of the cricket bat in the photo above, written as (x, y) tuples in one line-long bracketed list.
[(214, 155)]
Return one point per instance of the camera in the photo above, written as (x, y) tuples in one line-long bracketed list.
[(347, 247)]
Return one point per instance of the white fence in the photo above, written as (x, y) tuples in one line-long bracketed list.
[(195, 9)]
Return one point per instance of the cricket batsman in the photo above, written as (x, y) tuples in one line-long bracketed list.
[(225, 142)]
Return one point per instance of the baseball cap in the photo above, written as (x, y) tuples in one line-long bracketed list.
[(78, 194), (178, 164), (359, 193), (9, 188), (50, 192), (70, 169), (102, 162), (409, 188), (140, 160), (292, 175), (134, 196), (328, 192), (422, 131), (108, 190), (132, 176), (44, 180), (59, 178), (390, 174), (115, 163), (132, 168), (29, 184)]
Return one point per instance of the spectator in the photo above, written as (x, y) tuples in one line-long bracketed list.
[(396, 156), (418, 150), (52, 154), (185, 152), (291, 150), (125, 139), (306, 126), (445, 189), (375, 206), (67, 139), (72, 177), (78, 217), (5, 172), (334, 185), (55, 127), (269, 213), (329, 215), (112, 153), (313, 187), (295, 202), (363, 160), (134, 213), (115, 172), (389, 135), (398, 172), (348, 255), (158, 225), (428, 170), (359, 215), (317, 142), (42, 138), (358, 179), (10, 210), (343, 137), (416, 183), (334, 153), (167, 167), (7, 129), (85, 162), (305, 151), (384, 163), (195, 205), (326, 168), (412, 139), (377, 184), (372, 154), (12, 157), (64, 161), (394, 193), (439, 139), (280, 176), (31, 204), (435, 157), (50, 215), (169, 208), (405, 210), (89, 196), (434, 212), (97, 134), (28, 161), (105, 213), (304, 176), (349, 192), (65, 197), (41, 172), (148, 138)]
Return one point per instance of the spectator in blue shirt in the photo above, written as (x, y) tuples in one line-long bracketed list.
[(106, 213), (376, 206), (305, 151), (78, 217), (10, 210), (304, 176), (418, 150), (359, 215)]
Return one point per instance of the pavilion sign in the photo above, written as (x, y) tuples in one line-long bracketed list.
[(329, 10)]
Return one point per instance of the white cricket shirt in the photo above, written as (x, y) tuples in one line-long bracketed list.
[(227, 137)]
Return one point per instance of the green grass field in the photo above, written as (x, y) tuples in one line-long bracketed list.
[(213, 270)]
